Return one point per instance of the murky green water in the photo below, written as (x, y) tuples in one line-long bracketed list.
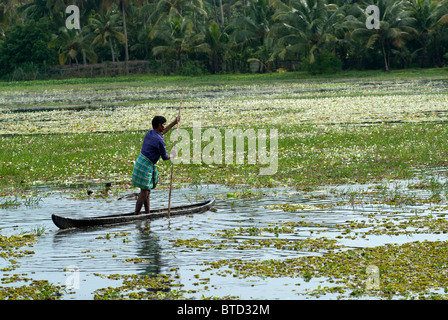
[(139, 248)]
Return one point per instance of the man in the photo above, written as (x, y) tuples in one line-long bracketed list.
[(145, 175)]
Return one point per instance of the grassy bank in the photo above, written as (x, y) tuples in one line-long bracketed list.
[(308, 156), (440, 73), (343, 128)]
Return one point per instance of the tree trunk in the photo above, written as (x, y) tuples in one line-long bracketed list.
[(215, 61), (215, 12), (112, 50), (425, 49), (194, 20), (222, 12), (84, 60), (179, 56), (126, 52), (386, 63), (437, 58)]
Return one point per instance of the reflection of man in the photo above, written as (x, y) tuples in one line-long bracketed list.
[(145, 175)]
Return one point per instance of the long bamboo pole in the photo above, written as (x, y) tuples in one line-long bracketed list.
[(172, 163)]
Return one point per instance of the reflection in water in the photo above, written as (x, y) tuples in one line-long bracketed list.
[(148, 248)]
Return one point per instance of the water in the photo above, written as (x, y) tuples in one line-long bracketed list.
[(113, 249)]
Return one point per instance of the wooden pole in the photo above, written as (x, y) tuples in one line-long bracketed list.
[(172, 164)]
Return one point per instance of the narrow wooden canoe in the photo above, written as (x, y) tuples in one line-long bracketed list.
[(65, 223)]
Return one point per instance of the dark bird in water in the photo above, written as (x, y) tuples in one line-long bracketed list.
[(108, 186), (130, 196)]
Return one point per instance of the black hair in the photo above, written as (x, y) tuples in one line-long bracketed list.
[(157, 120)]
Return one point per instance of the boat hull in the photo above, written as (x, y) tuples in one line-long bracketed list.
[(66, 223)]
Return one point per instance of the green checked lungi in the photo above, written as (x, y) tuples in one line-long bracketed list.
[(145, 175)]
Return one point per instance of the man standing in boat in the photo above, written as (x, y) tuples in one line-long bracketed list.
[(145, 175)]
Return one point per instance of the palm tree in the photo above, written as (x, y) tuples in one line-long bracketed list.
[(144, 43), (181, 8), (253, 26), (9, 12), (70, 43), (56, 6), (122, 5), (35, 9), (394, 27), (266, 53), (144, 11), (106, 28), (178, 29), (178, 38), (441, 32), (248, 31), (305, 26), (245, 31), (216, 40), (426, 15)]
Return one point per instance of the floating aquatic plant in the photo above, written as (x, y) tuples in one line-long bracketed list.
[(411, 267)]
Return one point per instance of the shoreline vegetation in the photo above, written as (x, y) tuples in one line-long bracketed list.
[(38, 40), (394, 74)]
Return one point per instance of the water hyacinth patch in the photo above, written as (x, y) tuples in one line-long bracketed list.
[(399, 265), (219, 113), (114, 108)]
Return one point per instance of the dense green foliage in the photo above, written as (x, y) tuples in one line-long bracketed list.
[(214, 36), (26, 46)]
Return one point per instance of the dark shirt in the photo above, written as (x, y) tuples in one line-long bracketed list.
[(154, 146)]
